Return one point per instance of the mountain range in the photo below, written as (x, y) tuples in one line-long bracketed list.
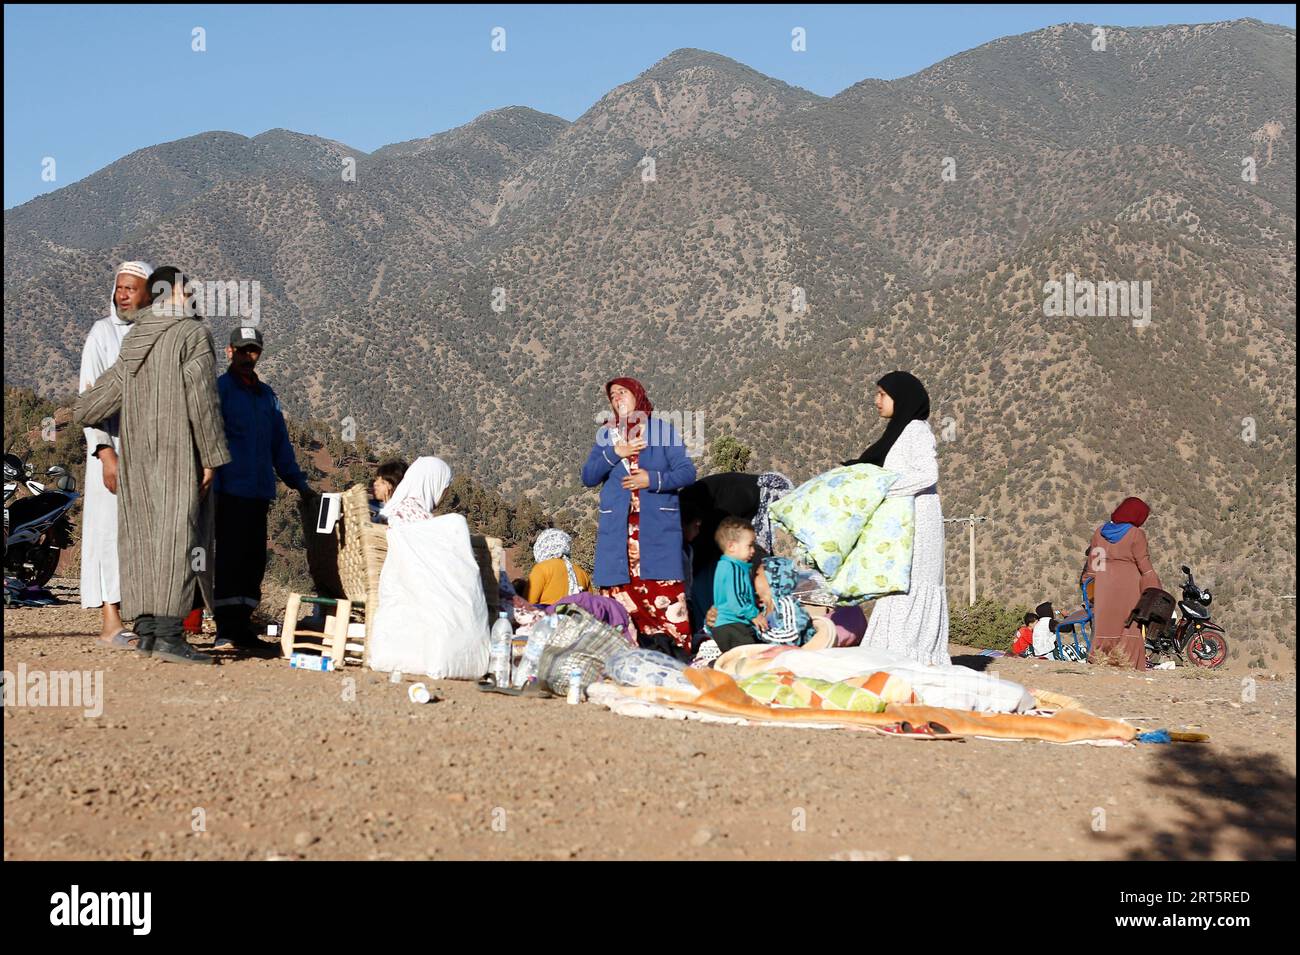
[(759, 255)]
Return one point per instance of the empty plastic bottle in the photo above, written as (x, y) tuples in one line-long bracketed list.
[(532, 658)]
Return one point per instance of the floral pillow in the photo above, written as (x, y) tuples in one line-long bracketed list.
[(881, 561), (826, 515)]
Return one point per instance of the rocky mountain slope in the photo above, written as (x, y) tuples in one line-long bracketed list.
[(759, 255)]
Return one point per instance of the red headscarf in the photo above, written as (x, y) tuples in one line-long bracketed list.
[(1132, 510), (643, 406)]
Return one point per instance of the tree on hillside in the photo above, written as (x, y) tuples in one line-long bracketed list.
[(728, 454)]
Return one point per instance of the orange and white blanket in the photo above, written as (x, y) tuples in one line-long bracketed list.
[(716, 695)]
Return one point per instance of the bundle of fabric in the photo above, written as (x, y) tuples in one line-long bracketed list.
[(717, 697), (957, 687), (638, 667), (856, 537), (20, 594)]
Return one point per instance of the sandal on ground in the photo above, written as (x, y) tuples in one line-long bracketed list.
[(929, 730), (124, 639)]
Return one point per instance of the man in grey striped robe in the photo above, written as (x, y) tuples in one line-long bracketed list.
[(164, 387)]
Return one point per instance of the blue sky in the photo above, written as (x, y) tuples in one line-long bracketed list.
[(89, 84)]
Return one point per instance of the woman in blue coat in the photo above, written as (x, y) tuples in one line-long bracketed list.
[(640, 464)]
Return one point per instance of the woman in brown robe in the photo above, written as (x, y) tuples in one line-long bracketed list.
[(1119, 563)]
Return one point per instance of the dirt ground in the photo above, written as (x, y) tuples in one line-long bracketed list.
[(253, 760)]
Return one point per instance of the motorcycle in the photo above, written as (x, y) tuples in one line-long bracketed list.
[(37, 526), (1191, 635)]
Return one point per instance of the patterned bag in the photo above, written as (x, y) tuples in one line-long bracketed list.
[(577, 638), (1067, 652)]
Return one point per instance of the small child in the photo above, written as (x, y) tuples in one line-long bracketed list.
[(1022, 645), (739, 618)]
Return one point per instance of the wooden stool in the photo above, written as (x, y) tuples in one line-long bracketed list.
[(331, 642)]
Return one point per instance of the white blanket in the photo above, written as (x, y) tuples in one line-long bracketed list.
[(954, 687), (432, 616)]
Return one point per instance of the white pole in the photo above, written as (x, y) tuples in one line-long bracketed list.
[(972, 560)]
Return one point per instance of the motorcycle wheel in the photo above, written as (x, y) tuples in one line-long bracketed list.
[(1208, 649), (43, 563)]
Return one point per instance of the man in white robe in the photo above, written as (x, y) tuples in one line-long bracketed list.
[(100, 586)]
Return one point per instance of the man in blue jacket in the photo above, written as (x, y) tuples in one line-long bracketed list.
[(245, 488)]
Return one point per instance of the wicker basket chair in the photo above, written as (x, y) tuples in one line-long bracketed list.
[(361, 547)]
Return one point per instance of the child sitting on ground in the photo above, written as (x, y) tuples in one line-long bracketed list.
[(1022, 644), (738, 619)]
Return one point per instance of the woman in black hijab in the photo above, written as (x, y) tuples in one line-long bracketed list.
[(914, 624), (908, 402)]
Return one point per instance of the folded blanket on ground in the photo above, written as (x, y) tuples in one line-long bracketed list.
[(717, 695), (868, 694), (855, 536), (949, 686)]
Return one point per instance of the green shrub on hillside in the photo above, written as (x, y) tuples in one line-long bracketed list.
[(988, 625)]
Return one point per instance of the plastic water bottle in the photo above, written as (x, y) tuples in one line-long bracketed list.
[(499, 661), (532, 658), (575, 683)]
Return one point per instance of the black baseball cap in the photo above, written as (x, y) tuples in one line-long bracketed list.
[(246, 335)]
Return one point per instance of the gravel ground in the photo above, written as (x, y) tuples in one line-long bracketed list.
[(253, 760)]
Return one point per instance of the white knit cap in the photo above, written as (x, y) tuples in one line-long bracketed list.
[(142, 269)]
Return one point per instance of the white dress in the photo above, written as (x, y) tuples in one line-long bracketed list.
[(915, 624), (99, 570)]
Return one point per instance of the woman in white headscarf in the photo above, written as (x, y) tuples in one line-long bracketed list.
[(100, 584), (418, 493), (554, 575), (432, 617)]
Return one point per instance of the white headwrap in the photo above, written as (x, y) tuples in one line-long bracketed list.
[(142, 269), (425, 481), (554, 543)]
